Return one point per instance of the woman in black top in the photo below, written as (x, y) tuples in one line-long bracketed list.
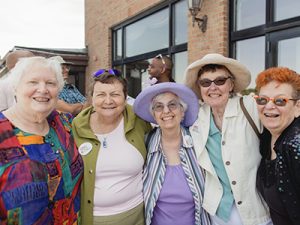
[(278, 177)]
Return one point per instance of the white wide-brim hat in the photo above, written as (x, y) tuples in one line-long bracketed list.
[(242, 76)]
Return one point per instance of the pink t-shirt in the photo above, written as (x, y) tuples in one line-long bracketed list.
[(118, 185)]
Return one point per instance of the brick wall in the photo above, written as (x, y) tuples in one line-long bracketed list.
[(101, 15), (215, 39)]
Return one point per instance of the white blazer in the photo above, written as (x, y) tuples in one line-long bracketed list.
[(241, 157)]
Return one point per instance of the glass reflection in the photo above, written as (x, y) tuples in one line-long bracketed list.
[(148, 34), (181, 63), (136, 73), (249, 13), (181, 22), (285, 9), (252, 57), (289, 53)]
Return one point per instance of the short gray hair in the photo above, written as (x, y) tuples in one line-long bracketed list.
[(26, 63)]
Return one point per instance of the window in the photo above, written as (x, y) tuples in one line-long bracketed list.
[(265, 33), (160, 30)]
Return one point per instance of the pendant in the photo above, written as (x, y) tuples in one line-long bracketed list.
[(104, 143)]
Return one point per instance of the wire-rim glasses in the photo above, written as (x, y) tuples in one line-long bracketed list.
[(172, 106)]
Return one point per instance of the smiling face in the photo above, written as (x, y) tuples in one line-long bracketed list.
[(37, 90), (214, 95), (277, 118), (108, 100), (169, 113)]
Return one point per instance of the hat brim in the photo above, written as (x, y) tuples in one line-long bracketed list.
[(242, 76), (143, 100)]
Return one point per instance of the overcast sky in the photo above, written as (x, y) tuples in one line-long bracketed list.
[(41, 23)]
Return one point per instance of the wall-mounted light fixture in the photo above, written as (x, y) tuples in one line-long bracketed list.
[(195, 7)]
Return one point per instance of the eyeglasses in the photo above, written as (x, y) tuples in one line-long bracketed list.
[(110, 71), (219, 81), (172, 106), (262, 100), (159, 56)]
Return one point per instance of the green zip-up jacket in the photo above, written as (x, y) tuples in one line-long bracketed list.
[(135, 130)]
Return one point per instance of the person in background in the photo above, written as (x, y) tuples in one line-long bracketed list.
[(160, 70), (226, 145), (70, 98), (40, 167), (278, 177), (111, 141), (7, 97), (173, 180)]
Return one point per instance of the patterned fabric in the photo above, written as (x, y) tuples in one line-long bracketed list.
[(40, 176), (154, 174), (71, 95), (287, 167)]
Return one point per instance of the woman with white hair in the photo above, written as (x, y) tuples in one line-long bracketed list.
[(226, 144), (40, 168)]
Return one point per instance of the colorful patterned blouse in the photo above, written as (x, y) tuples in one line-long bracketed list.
[(40, 176)]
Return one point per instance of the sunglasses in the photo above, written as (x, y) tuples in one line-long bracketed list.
[(172, 106), (279, 101), (159, 56), (110, 71), (219, 81)]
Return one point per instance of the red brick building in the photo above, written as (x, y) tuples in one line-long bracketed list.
[(127, 33)]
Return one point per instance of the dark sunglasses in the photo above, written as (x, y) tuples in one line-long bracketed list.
[(279, 101), (207, 82), (159, 56), (110, 71)]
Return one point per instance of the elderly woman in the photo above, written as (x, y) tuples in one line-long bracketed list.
[(225, 142), (111, 141), (173, 181), (40, 168), (278, 177)]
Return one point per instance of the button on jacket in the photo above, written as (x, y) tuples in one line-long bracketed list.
[(241, 157), (135, 129)]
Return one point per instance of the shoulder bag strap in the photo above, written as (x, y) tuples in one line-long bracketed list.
[(250, 120)]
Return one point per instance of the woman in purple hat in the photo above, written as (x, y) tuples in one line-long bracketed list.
[(173, 181)]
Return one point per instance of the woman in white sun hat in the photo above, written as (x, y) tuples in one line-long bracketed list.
[(226, 143)]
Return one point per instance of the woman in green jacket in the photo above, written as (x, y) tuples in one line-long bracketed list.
[(110, 138)]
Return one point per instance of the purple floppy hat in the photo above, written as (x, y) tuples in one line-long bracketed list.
[(142, 102)]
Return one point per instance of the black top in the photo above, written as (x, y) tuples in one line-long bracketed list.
[(278, 180)]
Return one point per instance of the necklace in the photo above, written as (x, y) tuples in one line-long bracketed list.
[(104, 142)]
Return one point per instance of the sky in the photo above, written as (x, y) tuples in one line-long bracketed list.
[(41, 24)]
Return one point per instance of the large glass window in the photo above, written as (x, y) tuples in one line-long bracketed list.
[(253, 57), (118, 45), (289, 53), (249, 13), (181, 23), (285, 9), (265, 33), (148, 34), (161, 30), (181, 63)]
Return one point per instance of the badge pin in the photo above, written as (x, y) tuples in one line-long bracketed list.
[(85, 148)]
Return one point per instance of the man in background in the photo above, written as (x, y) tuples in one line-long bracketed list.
[(7, 96), (160, 70), (70, 98)]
